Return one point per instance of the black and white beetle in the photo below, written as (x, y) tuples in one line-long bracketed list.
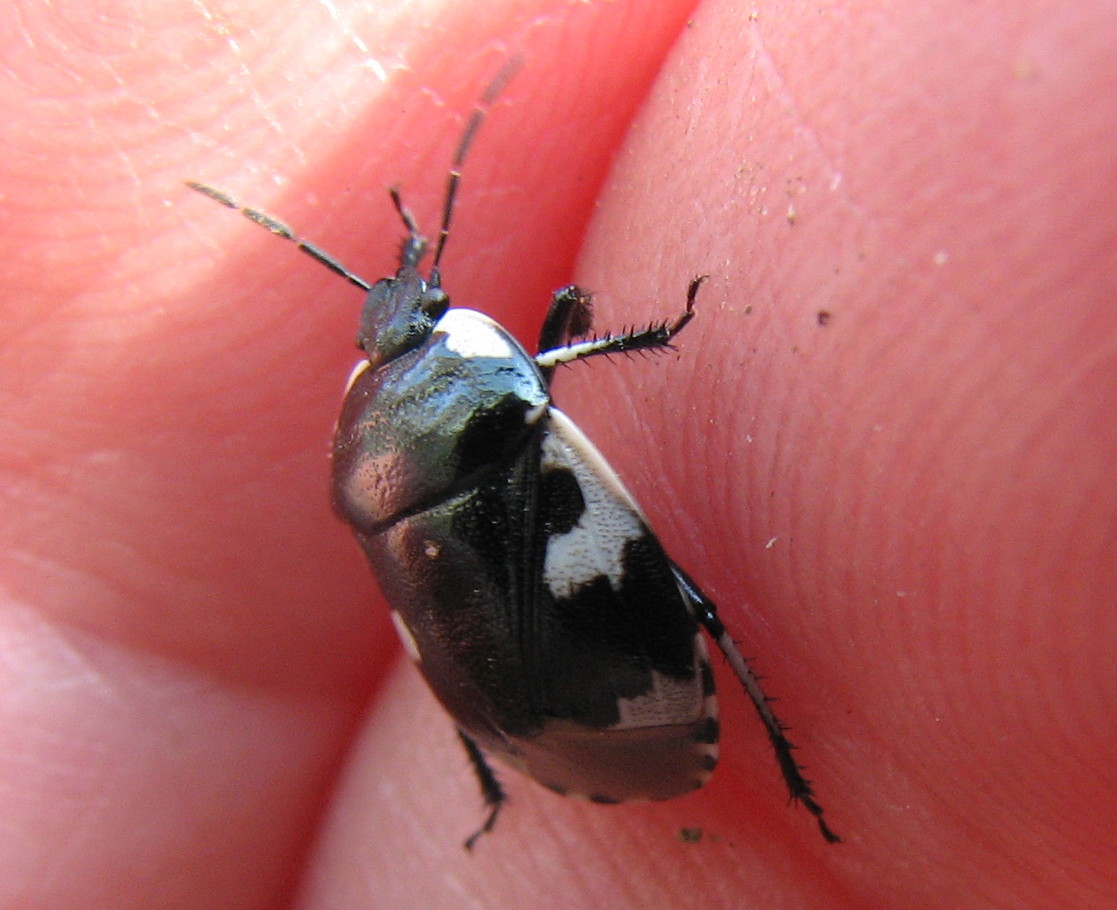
[(522, 576)]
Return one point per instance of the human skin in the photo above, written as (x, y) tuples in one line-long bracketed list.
[(906, 510)]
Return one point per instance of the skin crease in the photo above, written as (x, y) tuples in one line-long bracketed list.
[(907, 513)]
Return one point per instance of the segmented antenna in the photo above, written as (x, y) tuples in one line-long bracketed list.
[(416, 244), (480, 112), (278, 228)]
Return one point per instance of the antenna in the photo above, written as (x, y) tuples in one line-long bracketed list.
[(278, 228), (416, 244), (480, 112)]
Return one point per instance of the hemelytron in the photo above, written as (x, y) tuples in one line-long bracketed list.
[(522, 576)]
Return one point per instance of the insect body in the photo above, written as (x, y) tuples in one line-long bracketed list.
[(522, 576)]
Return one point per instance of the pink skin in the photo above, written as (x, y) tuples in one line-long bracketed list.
[(906, 513)]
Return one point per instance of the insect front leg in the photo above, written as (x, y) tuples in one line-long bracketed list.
[(797, 784), (491, 790), (571, 314)]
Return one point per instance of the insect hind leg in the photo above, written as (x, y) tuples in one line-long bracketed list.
[(797, 784), (491, 790)]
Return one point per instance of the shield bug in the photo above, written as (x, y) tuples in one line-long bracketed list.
[(522, 577)]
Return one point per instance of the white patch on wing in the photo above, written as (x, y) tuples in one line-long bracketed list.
[(357, 370), (670, 701), (472, 334), (664, 745), (409, 644), (532, 416), (595, 546)]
